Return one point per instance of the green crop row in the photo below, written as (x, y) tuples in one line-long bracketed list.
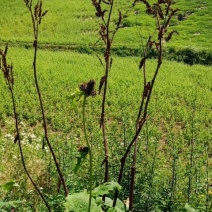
[(72, 24), (179, 117), (174, 147)]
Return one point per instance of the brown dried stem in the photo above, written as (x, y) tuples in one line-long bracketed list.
[(102, 119), (36, 21), (107, 36), (8, 75), (156, 11)]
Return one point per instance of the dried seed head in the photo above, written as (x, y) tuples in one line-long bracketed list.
[(170, 35), (102, 81), (88, 88), (99, 11), (6, 69), (84, 149), (28, 3)]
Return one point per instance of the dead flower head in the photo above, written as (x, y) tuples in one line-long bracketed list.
[(88, 88)]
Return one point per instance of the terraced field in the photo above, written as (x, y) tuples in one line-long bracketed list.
[(174, 149)]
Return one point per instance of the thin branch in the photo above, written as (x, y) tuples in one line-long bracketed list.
[(146, 96), (36, 20), (8, 75), (107, 40)]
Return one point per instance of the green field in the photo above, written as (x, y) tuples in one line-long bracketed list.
[(179, 120), (79, 26)]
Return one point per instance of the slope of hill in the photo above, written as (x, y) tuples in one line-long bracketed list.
[(72, 24)]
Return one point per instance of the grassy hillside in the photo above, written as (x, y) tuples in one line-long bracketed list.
[(62, 72), (180, 112), (174, 148), (73, 23)]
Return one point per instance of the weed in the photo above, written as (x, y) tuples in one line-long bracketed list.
[(172, 158)]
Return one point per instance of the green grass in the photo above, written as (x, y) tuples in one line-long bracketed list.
[(64, 71), (179, 112), (73, 23)]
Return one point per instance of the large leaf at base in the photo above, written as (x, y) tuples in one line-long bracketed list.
[(8, 205), (78, 202), (9, 186), (189, 208), (105, 188), (120, 206)]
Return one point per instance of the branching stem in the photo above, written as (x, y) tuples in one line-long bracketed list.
[(36, 23), (107, 68), (8, 74), (145, 100)]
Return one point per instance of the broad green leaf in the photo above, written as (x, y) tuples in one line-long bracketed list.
[(76, 96), (78, 202), (9, 185), (189, 208), (112, 210), (120, 206), (81, 157), (105, 188), (8, 204)]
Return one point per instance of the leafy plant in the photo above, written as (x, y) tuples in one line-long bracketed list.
[(79, 202), (147, 148), (5, 206), (9, 186), (188, 208)]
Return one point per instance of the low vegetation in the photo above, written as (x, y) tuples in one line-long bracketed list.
[(72, 25), (180, 107), (173, 149)]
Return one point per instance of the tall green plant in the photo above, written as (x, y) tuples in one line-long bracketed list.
[(88, 90)]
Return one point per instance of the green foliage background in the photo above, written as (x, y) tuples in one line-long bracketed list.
[(70, 24), (180, 110)]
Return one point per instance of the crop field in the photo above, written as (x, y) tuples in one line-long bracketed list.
[(174, 156), (73, 24)]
